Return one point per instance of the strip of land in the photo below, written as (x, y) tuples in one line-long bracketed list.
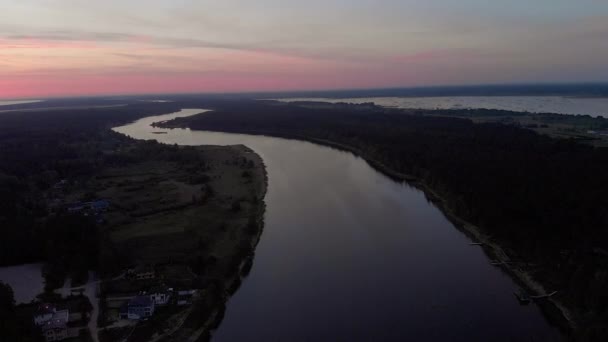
[(186, 226)]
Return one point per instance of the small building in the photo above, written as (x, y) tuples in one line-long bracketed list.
[(48, 312), (52, 322), (54, 330), (44, 313), (160, 295), (139, 307), (185, 297)]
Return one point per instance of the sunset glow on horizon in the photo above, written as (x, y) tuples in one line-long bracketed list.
[(72, 47)]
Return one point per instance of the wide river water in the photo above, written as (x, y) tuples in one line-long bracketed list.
[(348, 254)]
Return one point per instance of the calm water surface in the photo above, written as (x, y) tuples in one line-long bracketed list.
[(14, 102), (26, 280), (348, 254), (534, 104)]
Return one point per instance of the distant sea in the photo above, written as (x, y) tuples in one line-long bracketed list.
[(8, 103), (594, 106)]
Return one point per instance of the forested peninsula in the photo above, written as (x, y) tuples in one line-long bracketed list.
[(180, 222)]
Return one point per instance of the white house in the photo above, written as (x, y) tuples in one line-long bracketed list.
[(54, 330), (48, 312), (44, 313), (52, 322), (160, 295)]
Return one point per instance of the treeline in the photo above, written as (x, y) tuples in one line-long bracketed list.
[(543, 198), (12, 326), (45, 154)]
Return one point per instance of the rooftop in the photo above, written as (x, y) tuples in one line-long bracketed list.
[(54, 324), (45, 308), (62, 315)]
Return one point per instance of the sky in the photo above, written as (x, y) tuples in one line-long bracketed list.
[(82, 47)]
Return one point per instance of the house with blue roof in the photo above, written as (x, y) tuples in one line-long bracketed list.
[(139, 307)]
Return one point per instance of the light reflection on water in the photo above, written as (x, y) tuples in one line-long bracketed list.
[(14, 102)]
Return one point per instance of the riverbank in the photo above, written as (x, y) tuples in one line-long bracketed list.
[(555, 311), (552, 307), (206, 314), (193, 220)]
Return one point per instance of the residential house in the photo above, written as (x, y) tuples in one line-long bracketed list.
[(160, 295), (138, 307), (54, 330), (52, 322), (185, 297), (44, 313), (48, 312)]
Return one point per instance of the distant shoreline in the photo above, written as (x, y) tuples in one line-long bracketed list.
[(568, 104)]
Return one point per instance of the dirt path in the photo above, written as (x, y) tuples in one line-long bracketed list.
[(90, 291)]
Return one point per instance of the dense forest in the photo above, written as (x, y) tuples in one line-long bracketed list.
[(544, 199), (13, 327), (39, 150), (52, 161)]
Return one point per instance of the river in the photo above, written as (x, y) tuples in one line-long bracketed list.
[(349, 254), (16, 102), (26, 281)]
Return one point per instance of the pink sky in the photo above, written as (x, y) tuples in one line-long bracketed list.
[(58, 68), (73, 47)]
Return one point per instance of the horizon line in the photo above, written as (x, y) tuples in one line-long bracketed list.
[(325, 90)]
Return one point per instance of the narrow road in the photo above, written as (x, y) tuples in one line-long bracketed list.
[(90, 291)]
